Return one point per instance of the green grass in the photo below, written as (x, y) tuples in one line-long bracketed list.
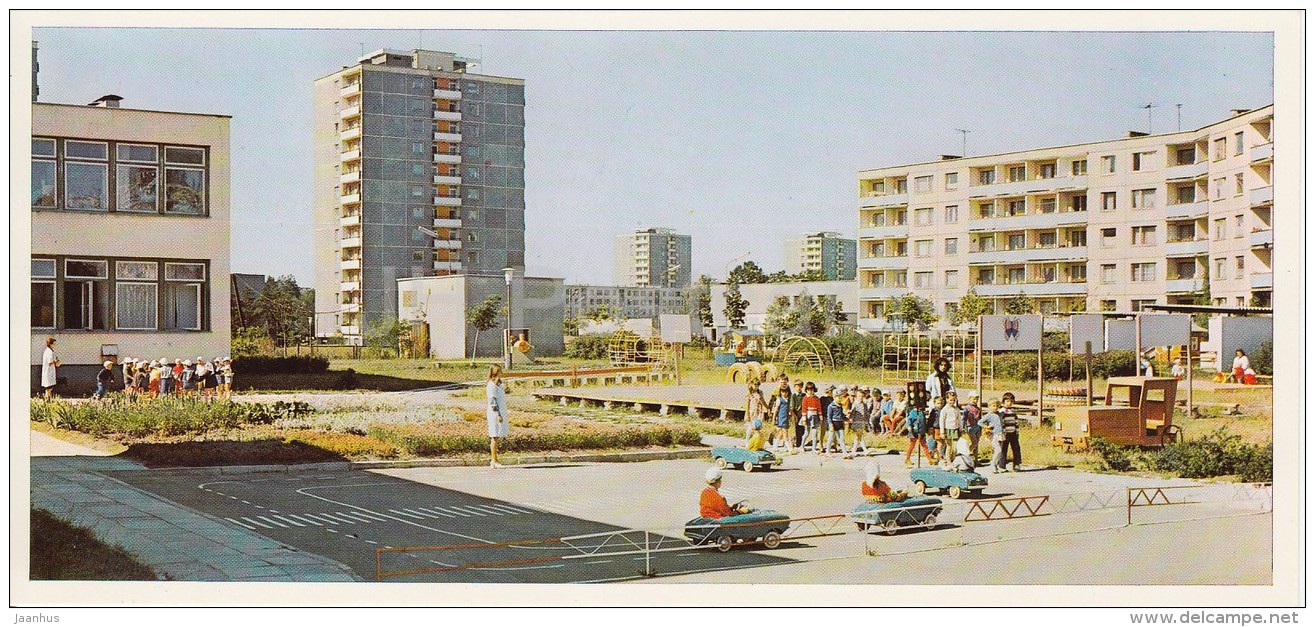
[(61, 551)]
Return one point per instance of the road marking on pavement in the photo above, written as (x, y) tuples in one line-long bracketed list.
[(372, 515), (275, 522), (432, 512), (404, 513), (256, 522), (337, 520), (354, 516), (313, 518), (459, 509), (307, 492), (445, 511), (285, 519), (304, 519), (240, 523), (489, 509)]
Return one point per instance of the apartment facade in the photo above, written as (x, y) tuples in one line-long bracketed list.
[(653, 257), (130, 235), (1105, 226), (828, 253), (419, 171), (626, 302)]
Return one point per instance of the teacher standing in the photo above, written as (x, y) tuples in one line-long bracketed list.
[(496, 413), (939, 383), (49, 369)]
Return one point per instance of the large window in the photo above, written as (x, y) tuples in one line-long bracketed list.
[(119, 294), (1143, 236), (81, 175), (922, 184), (1143, 199), (1143, 272), (43, 293), (85, 294)]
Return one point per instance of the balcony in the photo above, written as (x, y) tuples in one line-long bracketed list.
[(450, 116), (1185, 211), (447, 223), (1187, 248), (349, 286), (350, 264), (441, 157), (447, 201), (448, 266), (350, 308), (1263, 152), (440, 136), (881, 293), (1188, 171), (1263, 238), (447, 94), (350, 90), (351, 155), (351, 220), (1032, 186), (447, 179), (350, 177), (1022, 255), (351, 199), (350, 330), (1054, 288), (350, 133), (1262, 195), (883, 263), (349, 112), (898, 231), (448, 244), (884, 200), (1029, 221), (1262, 281), (351, 242), (1183, 286)]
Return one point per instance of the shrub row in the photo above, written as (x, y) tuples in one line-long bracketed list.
[(866, 351), (164, 417), (1216, 454), (292, 364), (440, 438), (588, 346)]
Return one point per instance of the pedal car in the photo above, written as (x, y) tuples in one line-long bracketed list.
[(760, 524), (914, 510), (743, 458), (951, 482)]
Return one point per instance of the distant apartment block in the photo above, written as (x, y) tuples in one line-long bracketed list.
[(626, 302), (1110, 226), (835, 257), (653, 257), (130, 235), (419, 171)]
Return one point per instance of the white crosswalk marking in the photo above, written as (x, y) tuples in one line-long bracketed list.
[(313, 518), (459, 509), (486, 508), (289, 520), (305, 519), (434, 512), (353, 516), (446, 511), (505, 509), (338, 519), (373, 515), (273, 522), (404, 513), (241, 523), (256, 522)]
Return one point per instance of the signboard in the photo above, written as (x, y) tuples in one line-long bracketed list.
[(643, 327), (1085, 328), (675, 328), (1165, 329), (1011, 333), (1121, 335)]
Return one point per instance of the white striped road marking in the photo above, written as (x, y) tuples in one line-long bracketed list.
[(231, 497), (274, 522), (286, 519), (369, 514), (415, 513), (485, 508), (351, 517), (304, 519), (307, 492), (459, 509), (240, 523), (433, 512), (332, 530), (256, 522), (444, 511), (506, 509), (273, 511), (313, 518), (370, 542), (337, 520), (246, 502), (403, 513)]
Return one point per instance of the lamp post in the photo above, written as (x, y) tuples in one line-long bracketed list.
[(507, 274)]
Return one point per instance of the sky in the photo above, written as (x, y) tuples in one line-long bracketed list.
[(741, 139)]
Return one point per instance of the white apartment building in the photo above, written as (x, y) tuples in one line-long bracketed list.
[(626, 302), (653, 257), (1109, 226), (130, 236)]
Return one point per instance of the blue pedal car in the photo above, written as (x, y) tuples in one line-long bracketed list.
[(743, 458), (952, 483), (915, 510), (760, 524)]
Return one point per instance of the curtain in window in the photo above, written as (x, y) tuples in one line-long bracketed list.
[(135, 306), (183, 307)]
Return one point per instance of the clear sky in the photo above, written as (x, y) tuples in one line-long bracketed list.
[(741, 139)]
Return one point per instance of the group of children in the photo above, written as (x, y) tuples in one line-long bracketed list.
[(151, 379), (948, 433)]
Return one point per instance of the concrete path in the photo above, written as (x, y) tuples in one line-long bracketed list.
[(178, 543)]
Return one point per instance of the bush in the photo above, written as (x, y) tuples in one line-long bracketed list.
[(292, 364), (445, 438), (1262, 360), (588, 346), (855, 351), (163, 417), (1113, 456), (1217, 453)]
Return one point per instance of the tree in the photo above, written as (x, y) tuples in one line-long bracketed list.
[(735, 306), (912, 310), (1019, 305), (249, 341), (747, 273), (571, 326), (970, 307), (282, 309), (1202, 297), (601, 313), (384, 333), (838, 313), (703, 300), (779, 320), (483, 317)]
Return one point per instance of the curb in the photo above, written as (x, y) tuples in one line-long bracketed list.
[(619, 457)]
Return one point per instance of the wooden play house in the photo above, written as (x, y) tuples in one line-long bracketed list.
[(1138, 411)]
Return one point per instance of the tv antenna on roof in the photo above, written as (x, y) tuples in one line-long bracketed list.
[(964, 132), (1148, 106), (1180, 115)]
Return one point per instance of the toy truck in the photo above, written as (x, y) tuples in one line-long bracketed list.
[(1138, 411)]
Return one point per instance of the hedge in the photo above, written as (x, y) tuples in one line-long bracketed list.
[(292, 364), (588, 346)]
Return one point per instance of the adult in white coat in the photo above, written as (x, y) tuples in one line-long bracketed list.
[(496, 413), (49, 369)]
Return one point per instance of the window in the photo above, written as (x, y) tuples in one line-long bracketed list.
[(184, 186), (986, 276), (43, 173), (1077, 273), (1139, 304), (137, 188), (1237, 143), (86, 186), (85, 299), (1079, 167), (1077, 238), (951, 278), (472, 257), (985, 244), (1185, 269), (901, 217), (1239, 301), (902, 278), (901, 186), (1048, 205), (922, 248), (1046, 171), (986, 210), (878, 280), (1017, 173), (1107, 164), (878, 219), (922, 217), (1047, 239), (922, 184), (1017, 207), (951, 180), (951, 214), (1143, 199), (878, 187), (1143, 272), (1109, 305), (1238, 186), (1016, 276), (1219, 188), (1220, 267), (951, 246), (1079, 203), (1238, 225), (1186, 156), (1048, 274), (985, 177), (1241, 266), (1142, 161), (1107, 237), (1143, 236), (1185, 194), (1108, 201), (43, 294), (922, 279), (1221, 148), (1221, 229), (1017, 241), (902, 248), (1184, 232)]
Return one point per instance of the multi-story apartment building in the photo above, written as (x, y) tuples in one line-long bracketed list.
[(653, 257), (626, 302), (834, 256), (1109, 226), (130, 235), (419, 171)]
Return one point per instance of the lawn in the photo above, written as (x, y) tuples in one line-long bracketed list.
[(61, 551)]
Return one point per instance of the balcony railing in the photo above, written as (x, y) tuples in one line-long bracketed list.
[(1029, 186), (1262, 195), (872, 199), (1184, 211), (350, 177), (1029, 221), (449, 266), (449, 244), (1021, 255), (349, 330), (446, 137), (884, 263), (349, 286), (450, 116), (1262, 238), (1187, 248), (446, 158), (350, 133), (348, 199), (1262, 281), (351, 155), (1188, 171), (898, 231), (882, 292), (349, 112), (351, 242), (447, 179), (447, 94), (350, 220), (1032, 288), (1180, 286), (447, 201), (447, 223), (348, 90), (350, 264), (1262, 152)]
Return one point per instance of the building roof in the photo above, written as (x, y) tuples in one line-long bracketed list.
[(61, 104)]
